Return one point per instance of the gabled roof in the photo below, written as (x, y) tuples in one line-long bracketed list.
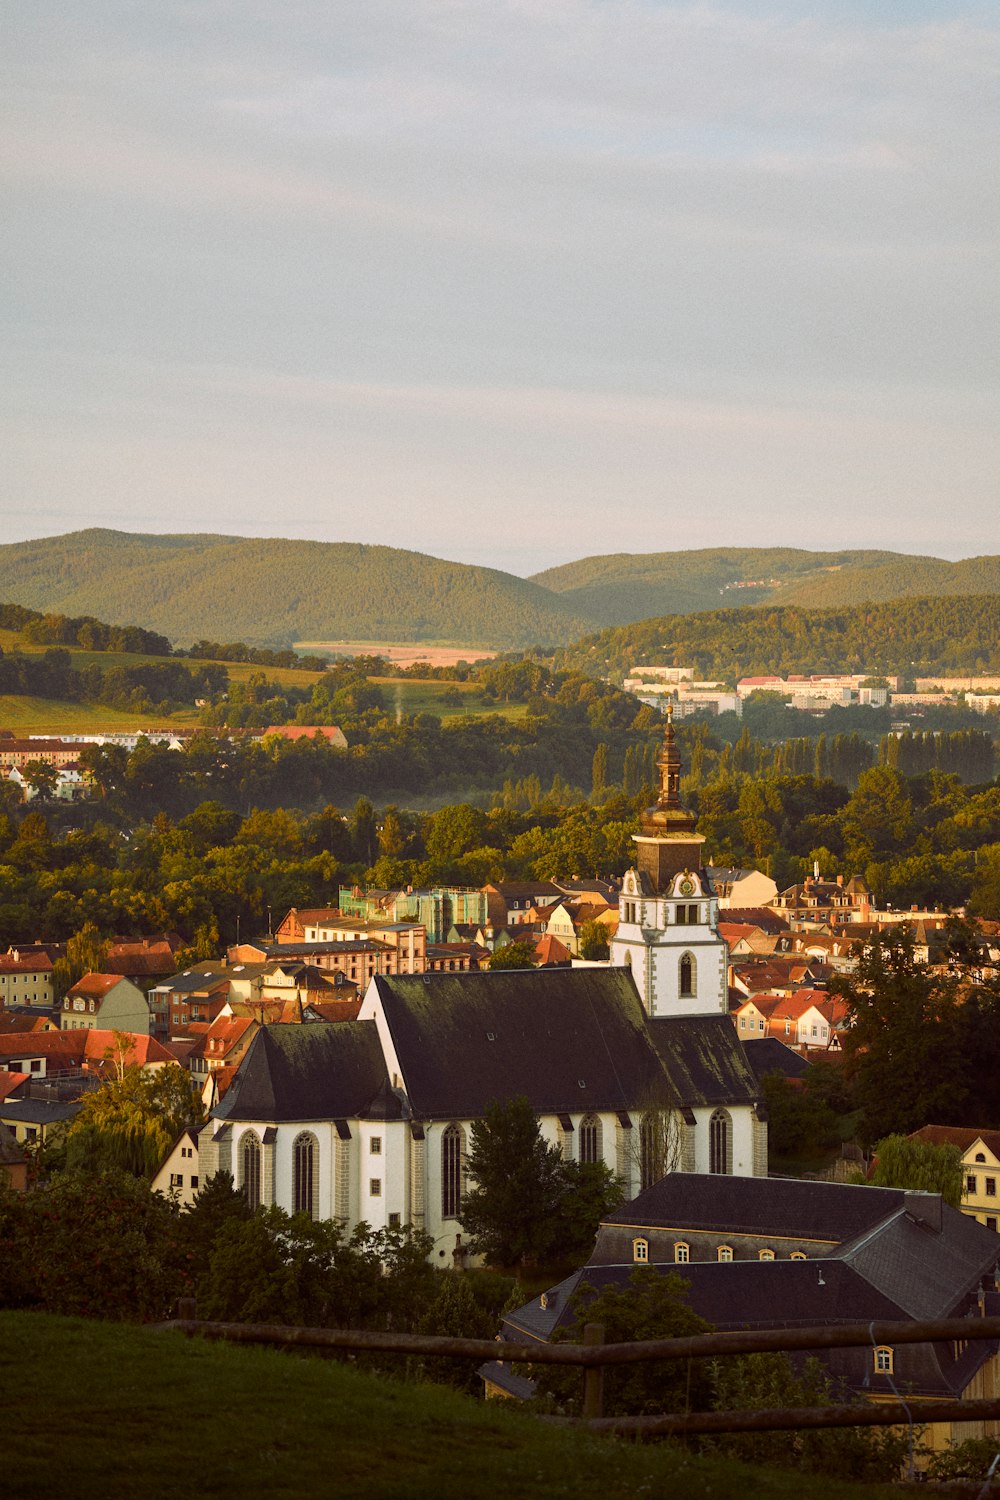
[(95, 985), (962, 1136), (563, 1038), (768, 1054), (317, 1072)]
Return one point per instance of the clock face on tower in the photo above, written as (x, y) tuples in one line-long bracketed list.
[(687, 886)]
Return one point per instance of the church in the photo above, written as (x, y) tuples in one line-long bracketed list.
[(636, 1064)]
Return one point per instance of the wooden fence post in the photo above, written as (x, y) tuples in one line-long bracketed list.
[(593, 1375)]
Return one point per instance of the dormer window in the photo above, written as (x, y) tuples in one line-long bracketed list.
[(640, 1252), (883, 1359)]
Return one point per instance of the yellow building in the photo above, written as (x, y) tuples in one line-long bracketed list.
[(980, 1167)]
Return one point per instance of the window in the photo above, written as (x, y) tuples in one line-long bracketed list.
[(765, 1255), (640, 1251), (991, 1187), (375, 1146), (797, 1255), (394, 1221), (724, 1253), (687, 977), (720, 1142), (304, 1154), (590, 1139), (682, 1253), (991, 1224), (651, 1164), (883, 1360), (743, 1023), (970, 1183), (980, 1157), (194, 1182), (176, 1180), (250, 1169), (375, 1187), (452, 1170)]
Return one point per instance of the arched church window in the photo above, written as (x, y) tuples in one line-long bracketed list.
[(591, 1146), (720, 1142), (688, 976), (304, 1162), (250, 1169), (452, 1170)]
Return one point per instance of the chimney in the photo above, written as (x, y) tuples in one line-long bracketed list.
[(840, 880), (815, 869), (924, 1208)]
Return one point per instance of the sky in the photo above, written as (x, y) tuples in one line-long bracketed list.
[(505, 281)]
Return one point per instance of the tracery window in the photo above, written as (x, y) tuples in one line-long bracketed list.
[(590, 1139), (688, 976), (304, 1163), (250, 1169), (452, 1170), (720, 1142)]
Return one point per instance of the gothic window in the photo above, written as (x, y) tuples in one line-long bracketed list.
[(720, 1142), (687, 976), (591, 1148), (250, 1169), (452, 1170), (304, 1154), (647, 1152)]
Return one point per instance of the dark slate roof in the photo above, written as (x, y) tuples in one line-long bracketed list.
[(768, 1054), (38, 1111), (563, 1038), (777, 1294), (834, 1212), (322, 1071), (704, 1060), (928, 1272)]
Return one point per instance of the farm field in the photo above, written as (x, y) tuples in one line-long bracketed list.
[(402, 653)]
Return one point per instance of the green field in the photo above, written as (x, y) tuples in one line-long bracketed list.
[(98, 1411), (419, 695), (28, 715)]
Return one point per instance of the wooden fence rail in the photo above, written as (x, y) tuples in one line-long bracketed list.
[(594, 1357)]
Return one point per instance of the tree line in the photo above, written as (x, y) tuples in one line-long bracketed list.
[(906, 637)]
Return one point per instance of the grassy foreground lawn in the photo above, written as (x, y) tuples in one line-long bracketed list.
[(109, 1412)]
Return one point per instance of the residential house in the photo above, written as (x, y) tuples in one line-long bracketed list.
[(178, 1177), (25, 979), (404, 943), (105, 1002), (980, 1150), (737, 887), (809, 1018), (824, 903), (329, 732), (508, 901), (37, 1122)]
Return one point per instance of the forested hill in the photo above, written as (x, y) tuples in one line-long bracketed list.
[(912, 637), (275, 592), (623, 587)]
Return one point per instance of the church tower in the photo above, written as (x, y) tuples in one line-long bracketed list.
[(668, 914)]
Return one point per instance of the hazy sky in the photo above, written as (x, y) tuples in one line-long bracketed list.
[(507, 281)]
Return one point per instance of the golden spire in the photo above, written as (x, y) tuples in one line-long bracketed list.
[(668, 815)]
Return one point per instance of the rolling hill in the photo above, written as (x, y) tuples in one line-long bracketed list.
[(274, 592), (624, 587)]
